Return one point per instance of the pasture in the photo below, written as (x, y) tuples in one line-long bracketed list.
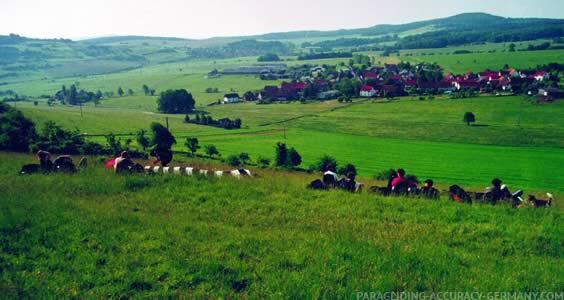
[(95, 234), (514, 139)]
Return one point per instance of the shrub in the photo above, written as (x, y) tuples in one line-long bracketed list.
[(17, 132), (263, 162), (324, 161), (233, 160), (294, 158), (346, 169), (211, 150), (385, 174), (244, 157)]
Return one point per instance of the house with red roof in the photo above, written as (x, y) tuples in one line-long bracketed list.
[(367, 91), (440, 86), (540, 76), (292, 86), (370, 75), (467, 85)]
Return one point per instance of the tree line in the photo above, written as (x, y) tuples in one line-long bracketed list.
[(224, 123), (325, 55)]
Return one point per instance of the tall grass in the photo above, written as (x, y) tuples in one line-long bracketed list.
[(95, 234)]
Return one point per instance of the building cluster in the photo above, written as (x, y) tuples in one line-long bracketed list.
[(392, 80)]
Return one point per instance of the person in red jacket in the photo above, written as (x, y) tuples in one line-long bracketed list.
[(400, 178)]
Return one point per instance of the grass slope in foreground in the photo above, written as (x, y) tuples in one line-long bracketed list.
[(98, 235)]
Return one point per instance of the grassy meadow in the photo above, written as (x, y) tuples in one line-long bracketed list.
[(94, 235), (514, 139), (97, 235)]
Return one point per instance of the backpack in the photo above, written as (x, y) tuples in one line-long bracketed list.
[(347, 185), (63, 163)]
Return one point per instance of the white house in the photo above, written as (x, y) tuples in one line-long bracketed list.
[(231, 98), (367, 91)]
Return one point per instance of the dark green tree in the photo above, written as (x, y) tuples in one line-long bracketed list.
[(211, 150), (176, 102), (71, 96), (17, 132), (281, 155), (142, 139), (192, 145), (233, 160), (146, 90), (294, 158), (120, 91), (244, 157), (469, 118), (161, 138), (512, 47)]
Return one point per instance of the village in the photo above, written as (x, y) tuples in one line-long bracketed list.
[(343, 82)]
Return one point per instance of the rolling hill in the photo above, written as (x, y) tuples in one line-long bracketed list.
[(24, 58)]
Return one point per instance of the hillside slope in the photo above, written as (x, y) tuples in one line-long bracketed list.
[(98, 235)]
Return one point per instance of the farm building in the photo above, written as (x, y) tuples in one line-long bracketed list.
[(367, 91), (231, 98), (550, 94)]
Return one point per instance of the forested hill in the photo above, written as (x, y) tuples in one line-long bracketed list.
[(464, 22), (59, 57)]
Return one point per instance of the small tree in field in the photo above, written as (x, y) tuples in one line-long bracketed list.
[(469, 118), (120, 91), (281, 155), (325, 161), (192, 145), (211, 150), (146, 89), (294, 158), (162, 138), (142, 139)]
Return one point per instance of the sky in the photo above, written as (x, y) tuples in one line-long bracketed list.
[(76, 19)]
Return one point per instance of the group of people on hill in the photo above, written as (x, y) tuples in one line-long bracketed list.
[(332, 180), (401, 185), (62, 163), (398, 183), (125, 164)]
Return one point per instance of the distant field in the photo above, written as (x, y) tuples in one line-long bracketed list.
[(516, 140), (462, 63)]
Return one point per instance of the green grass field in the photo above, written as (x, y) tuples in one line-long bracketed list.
[(516, 140), (95, 235)]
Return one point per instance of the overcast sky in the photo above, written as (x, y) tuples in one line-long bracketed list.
[(207, 18)]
